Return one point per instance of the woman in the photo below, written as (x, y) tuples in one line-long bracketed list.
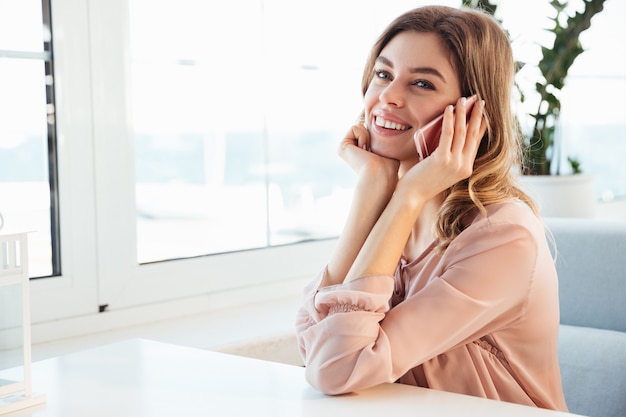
[(442, 276)]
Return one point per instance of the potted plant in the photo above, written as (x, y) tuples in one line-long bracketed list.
[(554, 66), (542, 150)]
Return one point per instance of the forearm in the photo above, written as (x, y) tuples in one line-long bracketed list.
[(372, 193), (381, 251)]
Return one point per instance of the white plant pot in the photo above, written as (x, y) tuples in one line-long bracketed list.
[(562, 195)]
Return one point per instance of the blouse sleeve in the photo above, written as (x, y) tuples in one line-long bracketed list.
[(350, 340)]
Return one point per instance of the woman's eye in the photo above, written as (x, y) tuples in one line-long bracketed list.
[(382, 74), (424, 84)]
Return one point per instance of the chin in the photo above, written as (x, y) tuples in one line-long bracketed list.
[(388, 155), (386, 151)]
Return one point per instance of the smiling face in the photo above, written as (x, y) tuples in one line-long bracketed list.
[(413, 81)]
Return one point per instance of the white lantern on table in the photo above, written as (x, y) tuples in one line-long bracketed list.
[(15, 339)]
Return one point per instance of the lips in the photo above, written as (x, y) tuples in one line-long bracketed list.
[(389, 124)]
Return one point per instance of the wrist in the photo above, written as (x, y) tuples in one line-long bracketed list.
[(380, 179), (410, 197)]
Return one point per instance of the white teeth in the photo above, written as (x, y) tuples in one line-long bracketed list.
[(389, 125)]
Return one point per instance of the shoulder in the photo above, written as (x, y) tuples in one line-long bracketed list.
[(513, 214), (498, 256), (503, 224)]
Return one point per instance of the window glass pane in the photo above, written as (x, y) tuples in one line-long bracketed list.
[(200, 177), (24, 186), (596, 134), (20, 25), (594, 111), (308, 108)]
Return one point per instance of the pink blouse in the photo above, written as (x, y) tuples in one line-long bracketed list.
[(480, 319)]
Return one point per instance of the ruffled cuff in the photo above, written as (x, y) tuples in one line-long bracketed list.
[(369, 293)]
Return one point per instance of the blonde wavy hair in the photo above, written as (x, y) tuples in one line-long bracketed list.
[(480, 52)]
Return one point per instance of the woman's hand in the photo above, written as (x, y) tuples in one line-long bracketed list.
[(353, 149), (453, 160)]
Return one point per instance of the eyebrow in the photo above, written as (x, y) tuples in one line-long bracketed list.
[(416, 70)]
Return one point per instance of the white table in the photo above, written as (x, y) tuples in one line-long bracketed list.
[(146, 378)]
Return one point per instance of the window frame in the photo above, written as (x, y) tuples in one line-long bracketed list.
[(74, 291), (53, 173)]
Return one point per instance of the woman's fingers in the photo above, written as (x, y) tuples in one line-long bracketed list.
[(461, 122), (354, 150), (476, 128), (460, 125), (353, 146), (359, 134), (462, 130), (447, 129)]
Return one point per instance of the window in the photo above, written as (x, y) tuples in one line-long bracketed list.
[(196, 152), (178, 115), (28, 178)]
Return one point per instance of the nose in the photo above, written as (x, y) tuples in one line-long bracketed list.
[(393, 94)]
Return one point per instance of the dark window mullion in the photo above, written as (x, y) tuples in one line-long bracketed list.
[(53, 180)]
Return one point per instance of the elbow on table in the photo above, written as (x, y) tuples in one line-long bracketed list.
[(328, 381)]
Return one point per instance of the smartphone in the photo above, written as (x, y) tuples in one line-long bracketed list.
[(427, 138)]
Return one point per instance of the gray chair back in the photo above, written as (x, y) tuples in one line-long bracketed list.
[(591, 263)]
